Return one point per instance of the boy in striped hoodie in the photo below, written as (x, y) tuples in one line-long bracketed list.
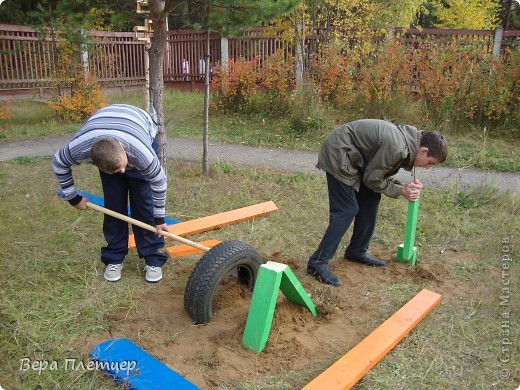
[(120, 140)]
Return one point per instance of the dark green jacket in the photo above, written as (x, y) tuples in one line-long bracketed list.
[(371, 150)]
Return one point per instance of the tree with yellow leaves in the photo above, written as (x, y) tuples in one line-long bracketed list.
[(467, 14)]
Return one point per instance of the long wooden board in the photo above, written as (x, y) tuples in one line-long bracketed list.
[(211, 222), (187, 250), (359, 360)]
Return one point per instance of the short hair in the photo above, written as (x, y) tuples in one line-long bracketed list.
[(106, 154), (437, 145)]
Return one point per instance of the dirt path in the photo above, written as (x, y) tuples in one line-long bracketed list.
[(275, 159)]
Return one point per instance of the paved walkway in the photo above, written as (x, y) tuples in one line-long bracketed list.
[(274, 159)]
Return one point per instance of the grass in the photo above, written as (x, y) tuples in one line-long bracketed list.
[(53, 294), (471, 148)]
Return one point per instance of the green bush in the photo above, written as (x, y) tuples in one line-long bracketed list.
[(307, 113)]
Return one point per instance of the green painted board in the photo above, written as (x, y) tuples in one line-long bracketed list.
[(294, 292), (271, 278), (261, 310), (407, 252)]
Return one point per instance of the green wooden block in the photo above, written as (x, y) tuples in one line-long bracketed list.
[(400, 257), (407, 252), (271, 278), (261, 309), (294, 292)]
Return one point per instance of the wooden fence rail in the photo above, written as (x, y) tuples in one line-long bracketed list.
[(117, 58)]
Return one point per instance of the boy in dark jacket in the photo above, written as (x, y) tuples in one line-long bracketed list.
[(359, 159)]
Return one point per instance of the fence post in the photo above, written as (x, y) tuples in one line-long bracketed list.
[(83, 50), (498, 41), (224, 52), (390, 34)]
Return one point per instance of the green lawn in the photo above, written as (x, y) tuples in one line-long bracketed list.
[(54, 298), (54, 301)]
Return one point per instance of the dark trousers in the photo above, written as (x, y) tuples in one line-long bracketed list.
[(117, 189), (347, 205)]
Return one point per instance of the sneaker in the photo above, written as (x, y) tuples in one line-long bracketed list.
[(113, 272), (153, 274)]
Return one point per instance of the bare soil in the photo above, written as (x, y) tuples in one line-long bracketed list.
[(213, 354)]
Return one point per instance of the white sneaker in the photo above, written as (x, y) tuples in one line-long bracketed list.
[(113, 272), (153, 274)]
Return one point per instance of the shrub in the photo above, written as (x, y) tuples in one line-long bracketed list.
[(503, 85), (460, 81), (86, 98), (307, 112), (277, 80), (441, 81), (333, 76), (385, 74), (5, 109), (78, 93), (236, 85), (440, 74)]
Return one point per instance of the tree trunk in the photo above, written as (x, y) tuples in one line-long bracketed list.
[(300, 50), (156, 54), (205, 139), (506, 12)]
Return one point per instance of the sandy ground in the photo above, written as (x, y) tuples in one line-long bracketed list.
[(213, 354)]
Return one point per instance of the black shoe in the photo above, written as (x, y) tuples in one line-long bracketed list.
[(367, 260), (323, 274)]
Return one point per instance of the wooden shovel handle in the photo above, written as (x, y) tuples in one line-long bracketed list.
[(146, 226)]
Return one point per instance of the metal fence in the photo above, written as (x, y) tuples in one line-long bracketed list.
[(115, 58), (28, 66), (118, 59)]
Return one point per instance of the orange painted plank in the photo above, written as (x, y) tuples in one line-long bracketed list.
[(186, 250), (359, 360), (217, 220)]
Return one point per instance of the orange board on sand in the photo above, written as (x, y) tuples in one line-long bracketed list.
[(359, 360), (186, 250), (217, 220)]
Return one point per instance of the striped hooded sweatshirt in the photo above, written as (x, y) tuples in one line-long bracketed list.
[(135, 131)]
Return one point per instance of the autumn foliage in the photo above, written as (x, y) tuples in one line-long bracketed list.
[(236, 85), (79, 94), (5, 109), (453, 79), (85, 98), (241, 85)]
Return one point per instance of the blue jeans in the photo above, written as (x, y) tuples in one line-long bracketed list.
[(117, 189), (347, 205)]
